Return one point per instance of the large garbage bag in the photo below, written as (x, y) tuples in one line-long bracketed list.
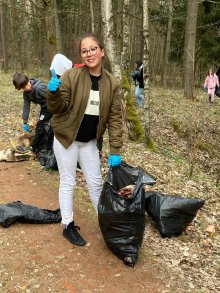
[(43, 145), (172, 213), (22, 213), (122, 220), (47, 159), (217, 91)]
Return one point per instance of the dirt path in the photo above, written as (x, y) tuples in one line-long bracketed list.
[(36, 258)]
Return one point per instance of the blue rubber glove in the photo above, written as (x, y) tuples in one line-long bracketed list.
[(114, 160), (54, 82), (26, 127), (204, 87)]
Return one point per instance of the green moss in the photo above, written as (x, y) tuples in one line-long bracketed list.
[(125, 83), (135, 129), (151, 145)]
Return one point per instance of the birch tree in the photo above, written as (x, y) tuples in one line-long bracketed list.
[(109, 37), (146, 63), (125, 52)]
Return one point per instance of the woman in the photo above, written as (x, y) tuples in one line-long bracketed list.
[(210, 83), (84, 101)]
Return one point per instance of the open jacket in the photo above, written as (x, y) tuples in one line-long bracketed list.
[(68, 105), (37, 95)]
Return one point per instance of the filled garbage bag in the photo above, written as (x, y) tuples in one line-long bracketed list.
[(217, 91), (42, 145), (122, 218), (172, 213), (22, 213), (47, 159)]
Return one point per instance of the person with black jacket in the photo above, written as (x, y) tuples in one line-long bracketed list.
[(34, 91), (137, 76)]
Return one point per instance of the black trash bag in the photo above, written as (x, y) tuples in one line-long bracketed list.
[(131, 173), (172, 213), (217, 91), (17, 212), (43, 145), (47, 159), (122, 220)]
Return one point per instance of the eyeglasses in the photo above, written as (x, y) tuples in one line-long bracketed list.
[(91, 51)]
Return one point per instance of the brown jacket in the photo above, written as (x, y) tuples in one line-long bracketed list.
[(68, 106)]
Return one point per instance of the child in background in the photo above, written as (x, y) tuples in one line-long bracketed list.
[(210, 83), (34, 91), (137, 76)]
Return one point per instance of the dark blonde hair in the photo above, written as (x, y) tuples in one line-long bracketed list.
[(91, 36)]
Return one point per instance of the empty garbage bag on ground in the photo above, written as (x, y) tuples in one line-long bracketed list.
[(172, 213), (122, 218), (22, 213)]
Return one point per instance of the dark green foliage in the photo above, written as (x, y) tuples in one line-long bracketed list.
[(208, 32)]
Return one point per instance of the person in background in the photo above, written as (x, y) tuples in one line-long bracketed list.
[(34, 91), (137, 76), (211, 82), (84, 102)]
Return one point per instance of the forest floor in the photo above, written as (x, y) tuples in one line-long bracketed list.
[(36, 257)]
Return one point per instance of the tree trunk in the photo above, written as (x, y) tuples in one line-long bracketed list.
[(125, 52), (50, 32), (146, 62), (189, 47), (4, 50), (109, 37), (59, 43), (92, 16), (167, 49)]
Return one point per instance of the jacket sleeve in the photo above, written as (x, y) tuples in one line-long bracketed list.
[(115, 128), (57, 102), (26, 109)]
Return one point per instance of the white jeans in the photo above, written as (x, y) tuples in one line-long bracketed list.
[(88, 157)]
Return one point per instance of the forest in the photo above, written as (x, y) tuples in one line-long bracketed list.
[(33, 31), (175, 137)]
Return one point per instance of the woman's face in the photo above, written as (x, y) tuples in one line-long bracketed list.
[(92, 55), (210, 71)]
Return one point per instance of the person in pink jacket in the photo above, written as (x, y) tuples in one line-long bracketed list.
[(210, 83)]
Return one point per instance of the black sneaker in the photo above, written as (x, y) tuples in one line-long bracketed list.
[(78, 168), (70, 233)]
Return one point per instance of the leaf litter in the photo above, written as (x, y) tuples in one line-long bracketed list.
[(187, 134)]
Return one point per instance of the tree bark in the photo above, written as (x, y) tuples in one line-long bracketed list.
[(146, 62), (4, 49), (189, 47), (167, 48), (59, 43), (109, 37), (125, 52)]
